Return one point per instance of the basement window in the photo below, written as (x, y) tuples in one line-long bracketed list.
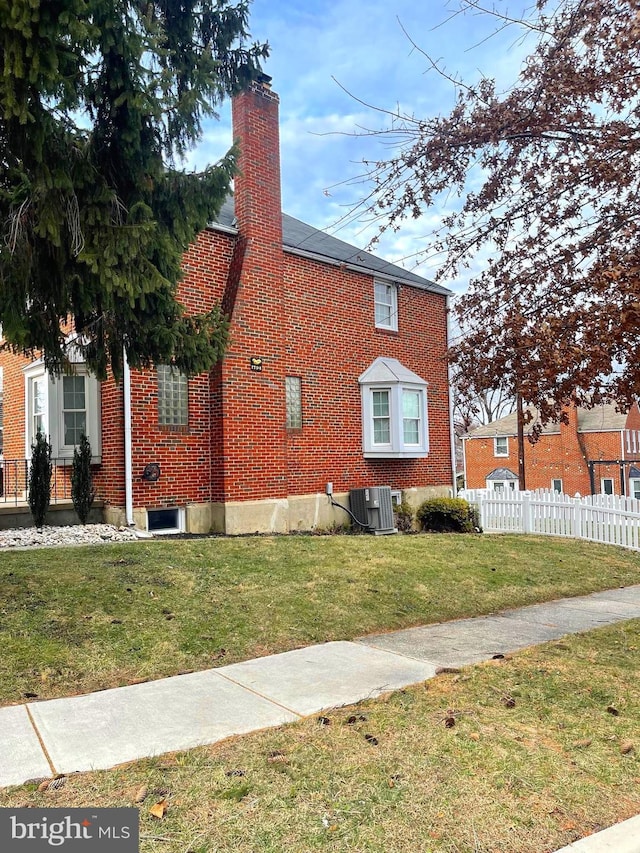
[(165, 520)]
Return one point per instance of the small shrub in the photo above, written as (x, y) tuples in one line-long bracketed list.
[(403, 515), (448, 515), (40, 479), (82, 492)]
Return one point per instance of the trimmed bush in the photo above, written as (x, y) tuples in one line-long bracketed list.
[(448, 515), (82, 491), (403, 515), (40, 479)]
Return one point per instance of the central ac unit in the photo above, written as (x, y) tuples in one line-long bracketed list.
[(373, 509)]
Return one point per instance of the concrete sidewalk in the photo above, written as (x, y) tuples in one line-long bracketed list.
[(101, 730)]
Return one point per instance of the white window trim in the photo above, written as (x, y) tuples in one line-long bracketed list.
[(632, 482), (604, 480), (507, 485), (495, 446), (396, 448), (55, 415), (392, 325), (181, 516), (557, 480)]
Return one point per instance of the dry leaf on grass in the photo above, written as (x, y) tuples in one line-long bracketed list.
[(159, 809), (626, 747)]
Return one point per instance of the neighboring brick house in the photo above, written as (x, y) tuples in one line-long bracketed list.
[(596, 452), (336, 372)]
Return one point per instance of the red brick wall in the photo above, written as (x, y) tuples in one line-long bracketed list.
[(331, 340), (555, 456)]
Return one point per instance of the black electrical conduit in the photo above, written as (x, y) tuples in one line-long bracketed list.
[(365, 527)]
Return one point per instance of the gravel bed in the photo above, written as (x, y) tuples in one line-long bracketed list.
[(77, 534)]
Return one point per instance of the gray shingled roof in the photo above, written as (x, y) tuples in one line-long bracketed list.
[(502, 474), (301, 238), (599, 419)]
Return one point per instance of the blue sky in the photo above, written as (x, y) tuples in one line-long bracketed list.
[(317, 47)]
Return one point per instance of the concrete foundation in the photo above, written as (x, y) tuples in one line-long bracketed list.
[(285, 515)]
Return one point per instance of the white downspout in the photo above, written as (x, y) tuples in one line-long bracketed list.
[(128, 477), (452, 434)]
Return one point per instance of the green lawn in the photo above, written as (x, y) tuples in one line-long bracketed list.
[(535, 759), (79, 619)]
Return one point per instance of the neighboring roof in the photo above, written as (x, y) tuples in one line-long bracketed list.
[(502, 474), (303, 239), (603, 418), (389, 370), (634, 473)]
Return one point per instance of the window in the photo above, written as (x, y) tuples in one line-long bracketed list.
[(62, 409), (556, 486), (173, 396), (165, 520), (501, 445), (386, 306), (74, 409), (394, 411), (502, 485), (381, 415), (606, 486), (293, 394), (411, 416), (502, 480)]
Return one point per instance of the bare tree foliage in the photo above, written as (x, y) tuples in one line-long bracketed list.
[(548, 178)]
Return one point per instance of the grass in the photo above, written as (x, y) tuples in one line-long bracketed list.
[(79, 619), (535, 759)]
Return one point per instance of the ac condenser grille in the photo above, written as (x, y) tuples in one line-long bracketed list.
[(373, 508)]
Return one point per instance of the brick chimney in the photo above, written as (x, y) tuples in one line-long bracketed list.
[(575, 471), (256, 129), (253, 370)]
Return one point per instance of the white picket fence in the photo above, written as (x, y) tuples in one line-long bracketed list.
[(610, 519)]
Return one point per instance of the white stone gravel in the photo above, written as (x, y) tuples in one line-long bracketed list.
[(77, 534)]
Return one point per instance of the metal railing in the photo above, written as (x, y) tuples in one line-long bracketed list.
[(14, 481)]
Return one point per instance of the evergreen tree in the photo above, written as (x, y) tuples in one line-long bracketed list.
[(40, 479), (98, 101), (82, 490)]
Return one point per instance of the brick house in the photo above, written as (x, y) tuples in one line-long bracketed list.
[(336, 372), (596, 452)]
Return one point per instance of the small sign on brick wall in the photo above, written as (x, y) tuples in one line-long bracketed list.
[(255, 362)]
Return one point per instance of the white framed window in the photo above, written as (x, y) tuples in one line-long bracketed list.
[(501, 445), (606, 486), (394, 411), (293, 398), (501, 485), (173, 396), (63, 409), (166, 520), (634, 488), (556, 486), (386, 305)]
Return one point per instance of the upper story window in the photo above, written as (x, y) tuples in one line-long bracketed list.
[(386, 305), (394, 411), (63, 409), (501, 445), (173, 396), (293, 396)]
